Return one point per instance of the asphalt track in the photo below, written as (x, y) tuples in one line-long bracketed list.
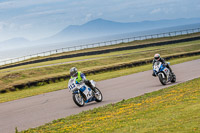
[(37, 110)]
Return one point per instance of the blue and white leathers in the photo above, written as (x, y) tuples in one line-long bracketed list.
[(163, 73), (82, 93)]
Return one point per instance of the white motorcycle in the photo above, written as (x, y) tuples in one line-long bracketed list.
[(83, 94), (163, 73)]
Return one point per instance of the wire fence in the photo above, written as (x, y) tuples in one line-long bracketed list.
[(100, 44)]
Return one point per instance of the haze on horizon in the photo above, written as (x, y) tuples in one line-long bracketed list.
[(34, 19)]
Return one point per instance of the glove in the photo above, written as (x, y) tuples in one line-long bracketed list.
[(85, 80)]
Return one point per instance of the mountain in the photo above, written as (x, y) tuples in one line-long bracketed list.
[(14, 42), (98, 30), (100, 27)]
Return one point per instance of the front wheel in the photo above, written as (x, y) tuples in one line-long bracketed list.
[(162, 80), (98, 95), (78, 99)]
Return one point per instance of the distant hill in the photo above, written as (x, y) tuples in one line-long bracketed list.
[(14, 42), (121, 36), (98, 30), (100, 27), (101, 30), (140, 33)]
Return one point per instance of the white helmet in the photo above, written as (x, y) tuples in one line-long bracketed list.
[(157, 56), (73, 72)]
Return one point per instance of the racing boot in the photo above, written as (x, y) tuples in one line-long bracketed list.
[(88, 83), (170, 70), (173, 74)]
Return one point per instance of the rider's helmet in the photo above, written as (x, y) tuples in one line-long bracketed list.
[(73, 72), (157, 56)]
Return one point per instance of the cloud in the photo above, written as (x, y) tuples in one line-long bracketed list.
[(1, 26), (132, 16), (4, 26), (41, 13), (50, 16), (11, 27), (157, 10), (26, 26), (88, 17), (25, 3)]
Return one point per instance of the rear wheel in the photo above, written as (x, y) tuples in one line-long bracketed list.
[(98, 95), (173, 78), (162, 80), (78, 99)]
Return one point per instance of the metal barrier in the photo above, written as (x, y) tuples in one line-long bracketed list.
[(100, 44)]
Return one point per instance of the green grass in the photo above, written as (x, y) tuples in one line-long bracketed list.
[(5, 97), (137, 42), (167, 47), (173, 109), (20, 77)]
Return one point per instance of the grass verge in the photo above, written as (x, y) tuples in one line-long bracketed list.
[(123, 44), (24, 77), (5, 97), (190, 44), (173, 109)]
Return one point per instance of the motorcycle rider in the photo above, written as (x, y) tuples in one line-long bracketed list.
[(158, 58), (80, 77)]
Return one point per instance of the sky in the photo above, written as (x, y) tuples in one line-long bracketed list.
[(36, 19)]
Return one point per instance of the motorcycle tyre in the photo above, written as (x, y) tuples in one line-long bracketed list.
[(173, 79), (100, 94), (76, 102), (161, 80)]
